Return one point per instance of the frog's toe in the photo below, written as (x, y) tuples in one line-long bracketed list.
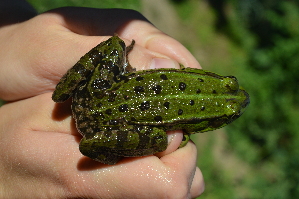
[(185, 140)]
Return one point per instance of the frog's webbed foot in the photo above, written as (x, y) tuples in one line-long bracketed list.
[(182, 66), (185, 140), (128, 67), (130, 47)]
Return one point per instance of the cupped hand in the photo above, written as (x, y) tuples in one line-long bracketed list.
[(37, 52), (40, 158)]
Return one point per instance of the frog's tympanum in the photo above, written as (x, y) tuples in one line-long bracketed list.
[(125, 113)]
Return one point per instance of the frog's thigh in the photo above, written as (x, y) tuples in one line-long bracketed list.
[(93, 149), (147, 141), (110, 149)]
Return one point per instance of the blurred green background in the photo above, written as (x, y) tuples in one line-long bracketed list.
[(258, 42)]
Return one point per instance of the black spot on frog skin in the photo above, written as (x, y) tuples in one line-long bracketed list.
[(145, 105), (99, 95), (126, 97), (182, 86), (202, 108), (158, 118), (218, 122), (107, 64), (99, 115), (109, 128), (113, 122), (157, 89), (138, 89), (108, 111), (114, 52), (63, 97), (166, 104), (138, 128), (191, 102), (123, 108), (139, 78), (100, 84), (164, 77), (198, 91), (180, 112), (201, 80), (99, 105), (95, 56), (133, 119), (112, 97)]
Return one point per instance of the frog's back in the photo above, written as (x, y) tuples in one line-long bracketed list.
[(190, 99)]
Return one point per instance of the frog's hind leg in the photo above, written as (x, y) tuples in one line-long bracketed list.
[(128, 67), (109, 148), (142, 141), (99, 153)]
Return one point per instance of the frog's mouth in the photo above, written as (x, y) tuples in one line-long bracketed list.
[(246, 102), (241, 107)]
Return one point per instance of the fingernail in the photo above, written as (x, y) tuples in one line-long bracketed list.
[(164, 63)]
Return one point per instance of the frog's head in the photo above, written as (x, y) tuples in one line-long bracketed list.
[(228, 105), (114, 52), (237, 100), (238, 103)]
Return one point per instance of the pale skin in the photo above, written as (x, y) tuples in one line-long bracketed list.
[(39, 141)]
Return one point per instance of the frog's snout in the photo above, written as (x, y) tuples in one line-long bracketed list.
[(246, 101)]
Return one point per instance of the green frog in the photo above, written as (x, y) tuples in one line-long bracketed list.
[(121, 112)]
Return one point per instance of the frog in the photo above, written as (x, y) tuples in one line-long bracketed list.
[(121, 112)]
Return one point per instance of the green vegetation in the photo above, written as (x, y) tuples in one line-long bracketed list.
[(45, 5), (257, 41), (270, 128), (258, 157)]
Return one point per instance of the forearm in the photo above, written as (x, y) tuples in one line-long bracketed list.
[(14, 11)]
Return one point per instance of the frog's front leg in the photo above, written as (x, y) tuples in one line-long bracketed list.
[(186, 138), (74, 76), (128, 67), (109, 51), (109, 147)]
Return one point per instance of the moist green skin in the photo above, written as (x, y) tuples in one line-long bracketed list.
[(125, 113)]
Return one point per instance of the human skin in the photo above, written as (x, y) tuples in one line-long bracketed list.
[(39, 141)]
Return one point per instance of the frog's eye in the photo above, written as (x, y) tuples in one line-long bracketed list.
[(231, 83)]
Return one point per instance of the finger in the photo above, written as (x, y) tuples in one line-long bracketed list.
[(184, 160), (56, 156), (155, 40), (64, 47), (198, 185), (174, 141), (125, 23)]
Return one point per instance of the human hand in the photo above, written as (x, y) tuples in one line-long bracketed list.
[(39, 51), (41, 152), (40, 158)]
